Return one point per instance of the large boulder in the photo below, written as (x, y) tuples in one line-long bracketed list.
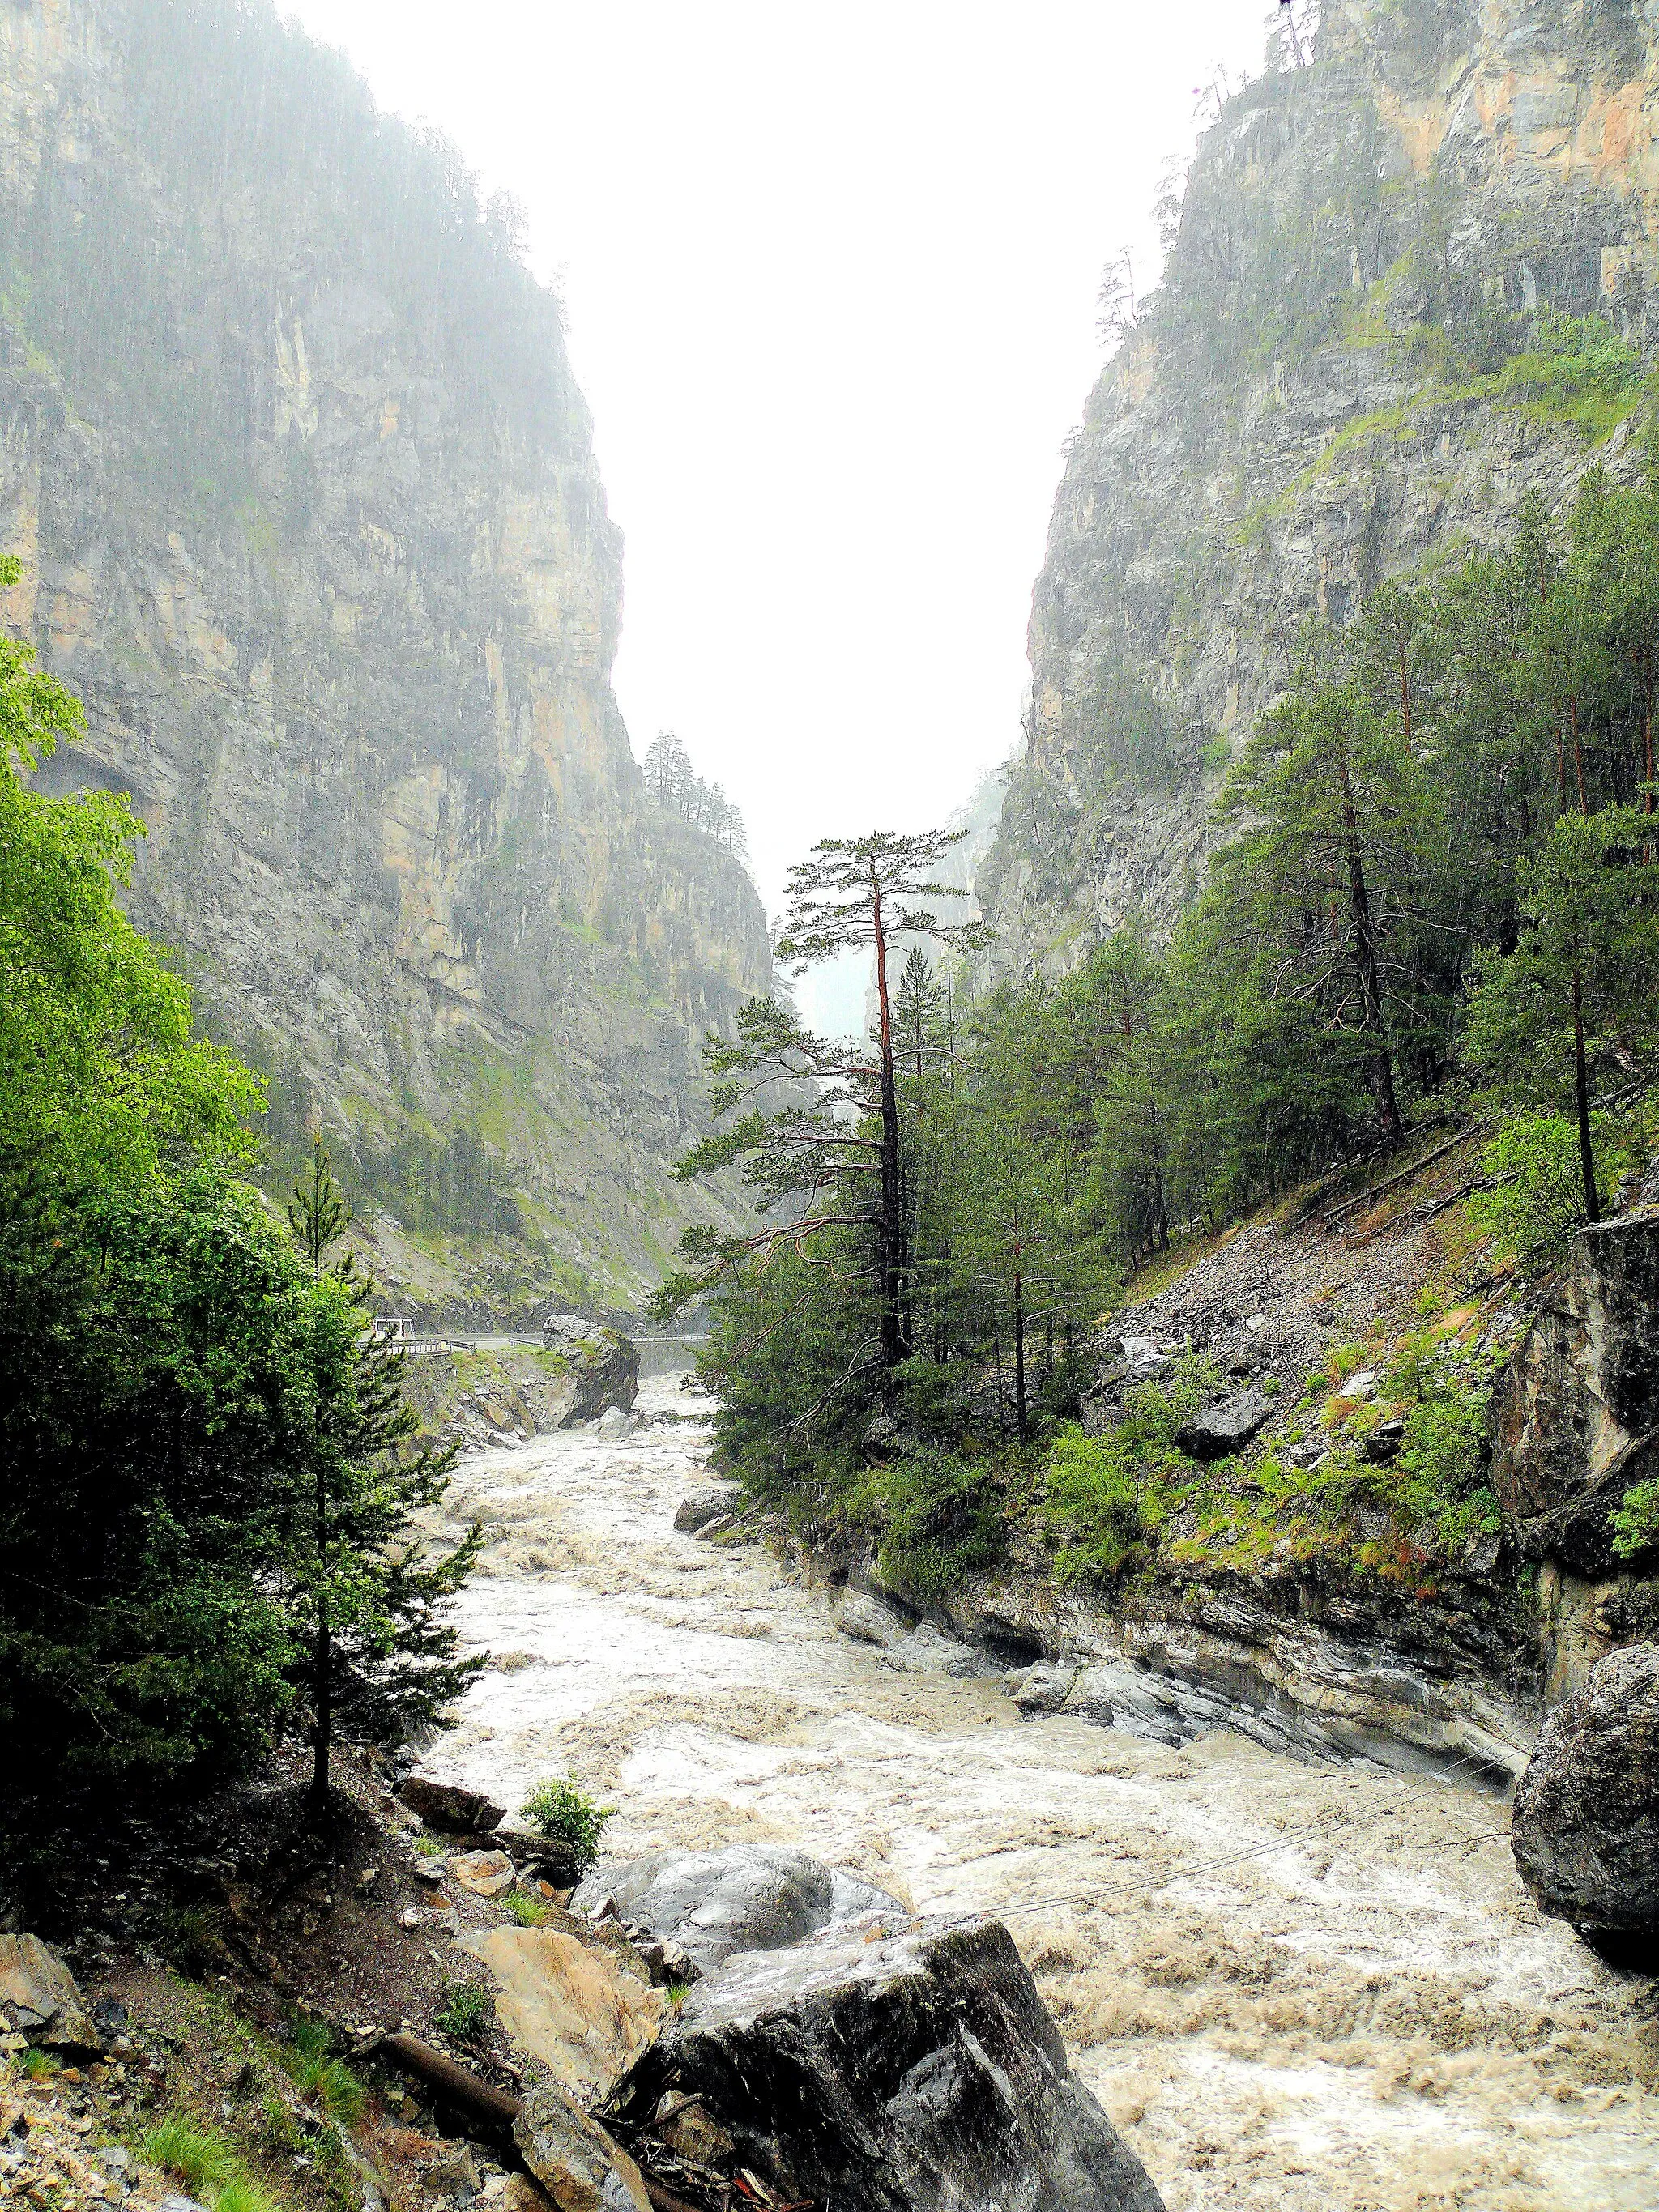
[(750, 1897), (603, 1365), (703, 1506), (1585, 1827), (1218, 1432), (916, 2074), (572, 2006), (867, 1620), (582, 2169), (41, 1998), (450, 1805)]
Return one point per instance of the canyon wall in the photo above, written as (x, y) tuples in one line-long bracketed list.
[(1339, 379), (309, 515)]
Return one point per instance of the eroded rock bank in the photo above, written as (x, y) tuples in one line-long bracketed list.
[(505, 1393)]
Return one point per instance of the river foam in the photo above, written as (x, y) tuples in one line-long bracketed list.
[(1364, 2014)]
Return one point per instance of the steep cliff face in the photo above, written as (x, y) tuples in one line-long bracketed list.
[(310, 517), (1344, 375)]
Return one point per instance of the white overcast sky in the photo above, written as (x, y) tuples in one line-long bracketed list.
[(831, 277)]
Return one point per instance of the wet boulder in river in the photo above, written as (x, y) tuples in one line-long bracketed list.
[(920, 2073), (750, 1897), (703, 1506), (866, 1619), (1585, 1828)]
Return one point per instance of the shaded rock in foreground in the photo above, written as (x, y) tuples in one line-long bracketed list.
[(1586, 1822), (750, 1897), (573, 2157), (919, 2074), (42, 1998)]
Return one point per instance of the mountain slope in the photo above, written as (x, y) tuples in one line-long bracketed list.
[(1409, 284), (310, 517)]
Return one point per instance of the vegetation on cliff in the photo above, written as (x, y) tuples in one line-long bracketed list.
[(1435, 893)]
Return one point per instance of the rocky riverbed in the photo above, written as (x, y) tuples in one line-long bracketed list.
[(1296, 1988)]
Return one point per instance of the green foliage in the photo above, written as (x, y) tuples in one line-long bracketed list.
[(463, 2012), (184, 1408), (1108, 1500), (527, 1910), (1442, 1488), (1109, 1496), (1537, 1200), (559, 1809), (941, 1518)]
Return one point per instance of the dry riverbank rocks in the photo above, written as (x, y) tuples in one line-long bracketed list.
[(917, 2073), (1586, 1819), (750, 1897)]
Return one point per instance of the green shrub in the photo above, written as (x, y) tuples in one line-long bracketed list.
[(463, 2012), (566, 1815), (1636, 1524), (1538, 1198), (941, 1516), (529, 1911)]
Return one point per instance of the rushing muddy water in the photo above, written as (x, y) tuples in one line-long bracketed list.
[(1367, 2014)]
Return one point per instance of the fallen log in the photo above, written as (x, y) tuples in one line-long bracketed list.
[(1376, 1190), (457, 2082)]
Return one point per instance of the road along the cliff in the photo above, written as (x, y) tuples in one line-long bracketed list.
[(1296, 1988)]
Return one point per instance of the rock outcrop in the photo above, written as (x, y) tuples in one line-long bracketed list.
[(1276, 436), (41, 1998), (916, 2074), (1575, 1424), (1586, 1819), (750, 1897), (308, 511), (577, 2164)]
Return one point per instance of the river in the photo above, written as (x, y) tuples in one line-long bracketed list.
[(1364, 2015)]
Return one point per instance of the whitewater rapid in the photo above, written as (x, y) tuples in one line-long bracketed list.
[(1369, 2019)]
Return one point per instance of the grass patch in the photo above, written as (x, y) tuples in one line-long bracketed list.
[(207, 2164), (322, 2077), (529, 1911)]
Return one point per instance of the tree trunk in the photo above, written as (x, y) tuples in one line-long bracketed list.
[(1019, 1355), (892, 1345), (322, 1742), (1581, 1094), (1364, 946)]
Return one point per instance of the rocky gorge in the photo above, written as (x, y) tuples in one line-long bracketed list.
[(306, 499)]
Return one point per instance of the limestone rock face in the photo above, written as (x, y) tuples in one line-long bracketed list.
[(309, 515), (1221, 488), (920, 2074), (1586, 1817), (750, 1897)]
